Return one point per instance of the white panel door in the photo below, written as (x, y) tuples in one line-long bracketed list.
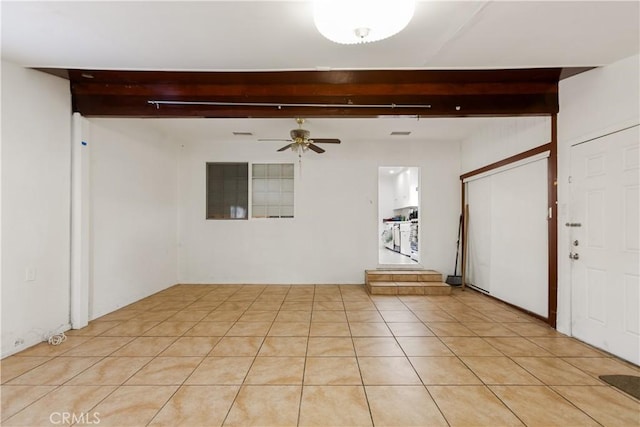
[(605, 249)]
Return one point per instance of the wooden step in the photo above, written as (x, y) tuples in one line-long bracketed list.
[(405, 282), (402, 276), (408, 288)]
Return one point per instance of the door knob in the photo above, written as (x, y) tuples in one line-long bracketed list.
[(574, 255)]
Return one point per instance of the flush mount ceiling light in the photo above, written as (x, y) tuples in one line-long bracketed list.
[(361, 21)]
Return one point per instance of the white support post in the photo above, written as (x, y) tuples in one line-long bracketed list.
[(79, 308)]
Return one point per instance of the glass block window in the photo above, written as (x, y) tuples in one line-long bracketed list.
[(272, 190), (227, 190)]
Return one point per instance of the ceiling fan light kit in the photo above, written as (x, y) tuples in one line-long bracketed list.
[(300, 141), (361, 21)]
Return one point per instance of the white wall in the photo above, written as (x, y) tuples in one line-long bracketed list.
[(503, 137), (334, 236), (36, 132), (133, 213), (592, 104)]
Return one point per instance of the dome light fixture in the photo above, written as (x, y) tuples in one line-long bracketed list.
[(361, 21)]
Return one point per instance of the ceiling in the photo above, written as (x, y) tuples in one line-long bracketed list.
[(280, 35)]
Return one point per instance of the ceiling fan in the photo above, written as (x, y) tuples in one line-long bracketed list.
[(300, 141)]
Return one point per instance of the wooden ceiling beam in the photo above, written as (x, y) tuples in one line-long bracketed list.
[(305, 90), (438, 107), (320, 77), (373, 93)]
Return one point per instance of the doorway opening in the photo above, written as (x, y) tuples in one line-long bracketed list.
[(398, 216)]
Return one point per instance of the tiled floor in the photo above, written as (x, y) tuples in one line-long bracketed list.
[(314, 355)]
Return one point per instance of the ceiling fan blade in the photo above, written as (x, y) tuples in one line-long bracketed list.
[(279, 139), (286, 147), (315, 148), (325, 140)]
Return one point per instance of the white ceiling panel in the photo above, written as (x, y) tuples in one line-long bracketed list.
[(545, 34), (275, 35)]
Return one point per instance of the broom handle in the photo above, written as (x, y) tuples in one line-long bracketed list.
[(455, 267)]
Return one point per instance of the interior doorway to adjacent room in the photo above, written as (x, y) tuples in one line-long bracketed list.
[(398, 216)]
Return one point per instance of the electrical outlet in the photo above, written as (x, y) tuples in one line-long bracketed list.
[(30, 274)]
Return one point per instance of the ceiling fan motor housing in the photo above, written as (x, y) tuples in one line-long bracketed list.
[(300, 134)]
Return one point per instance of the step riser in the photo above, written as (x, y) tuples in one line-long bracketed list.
[(405, 278), (403, 288), (405, 282), (409, 276)]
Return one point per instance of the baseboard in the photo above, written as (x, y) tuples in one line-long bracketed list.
[(33, 341)]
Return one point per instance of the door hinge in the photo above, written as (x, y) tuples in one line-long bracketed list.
[(550, 212)]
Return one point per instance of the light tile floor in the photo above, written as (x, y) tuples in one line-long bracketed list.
[(198, 355)]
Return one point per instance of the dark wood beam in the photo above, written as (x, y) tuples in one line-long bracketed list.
[(362, 93)]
